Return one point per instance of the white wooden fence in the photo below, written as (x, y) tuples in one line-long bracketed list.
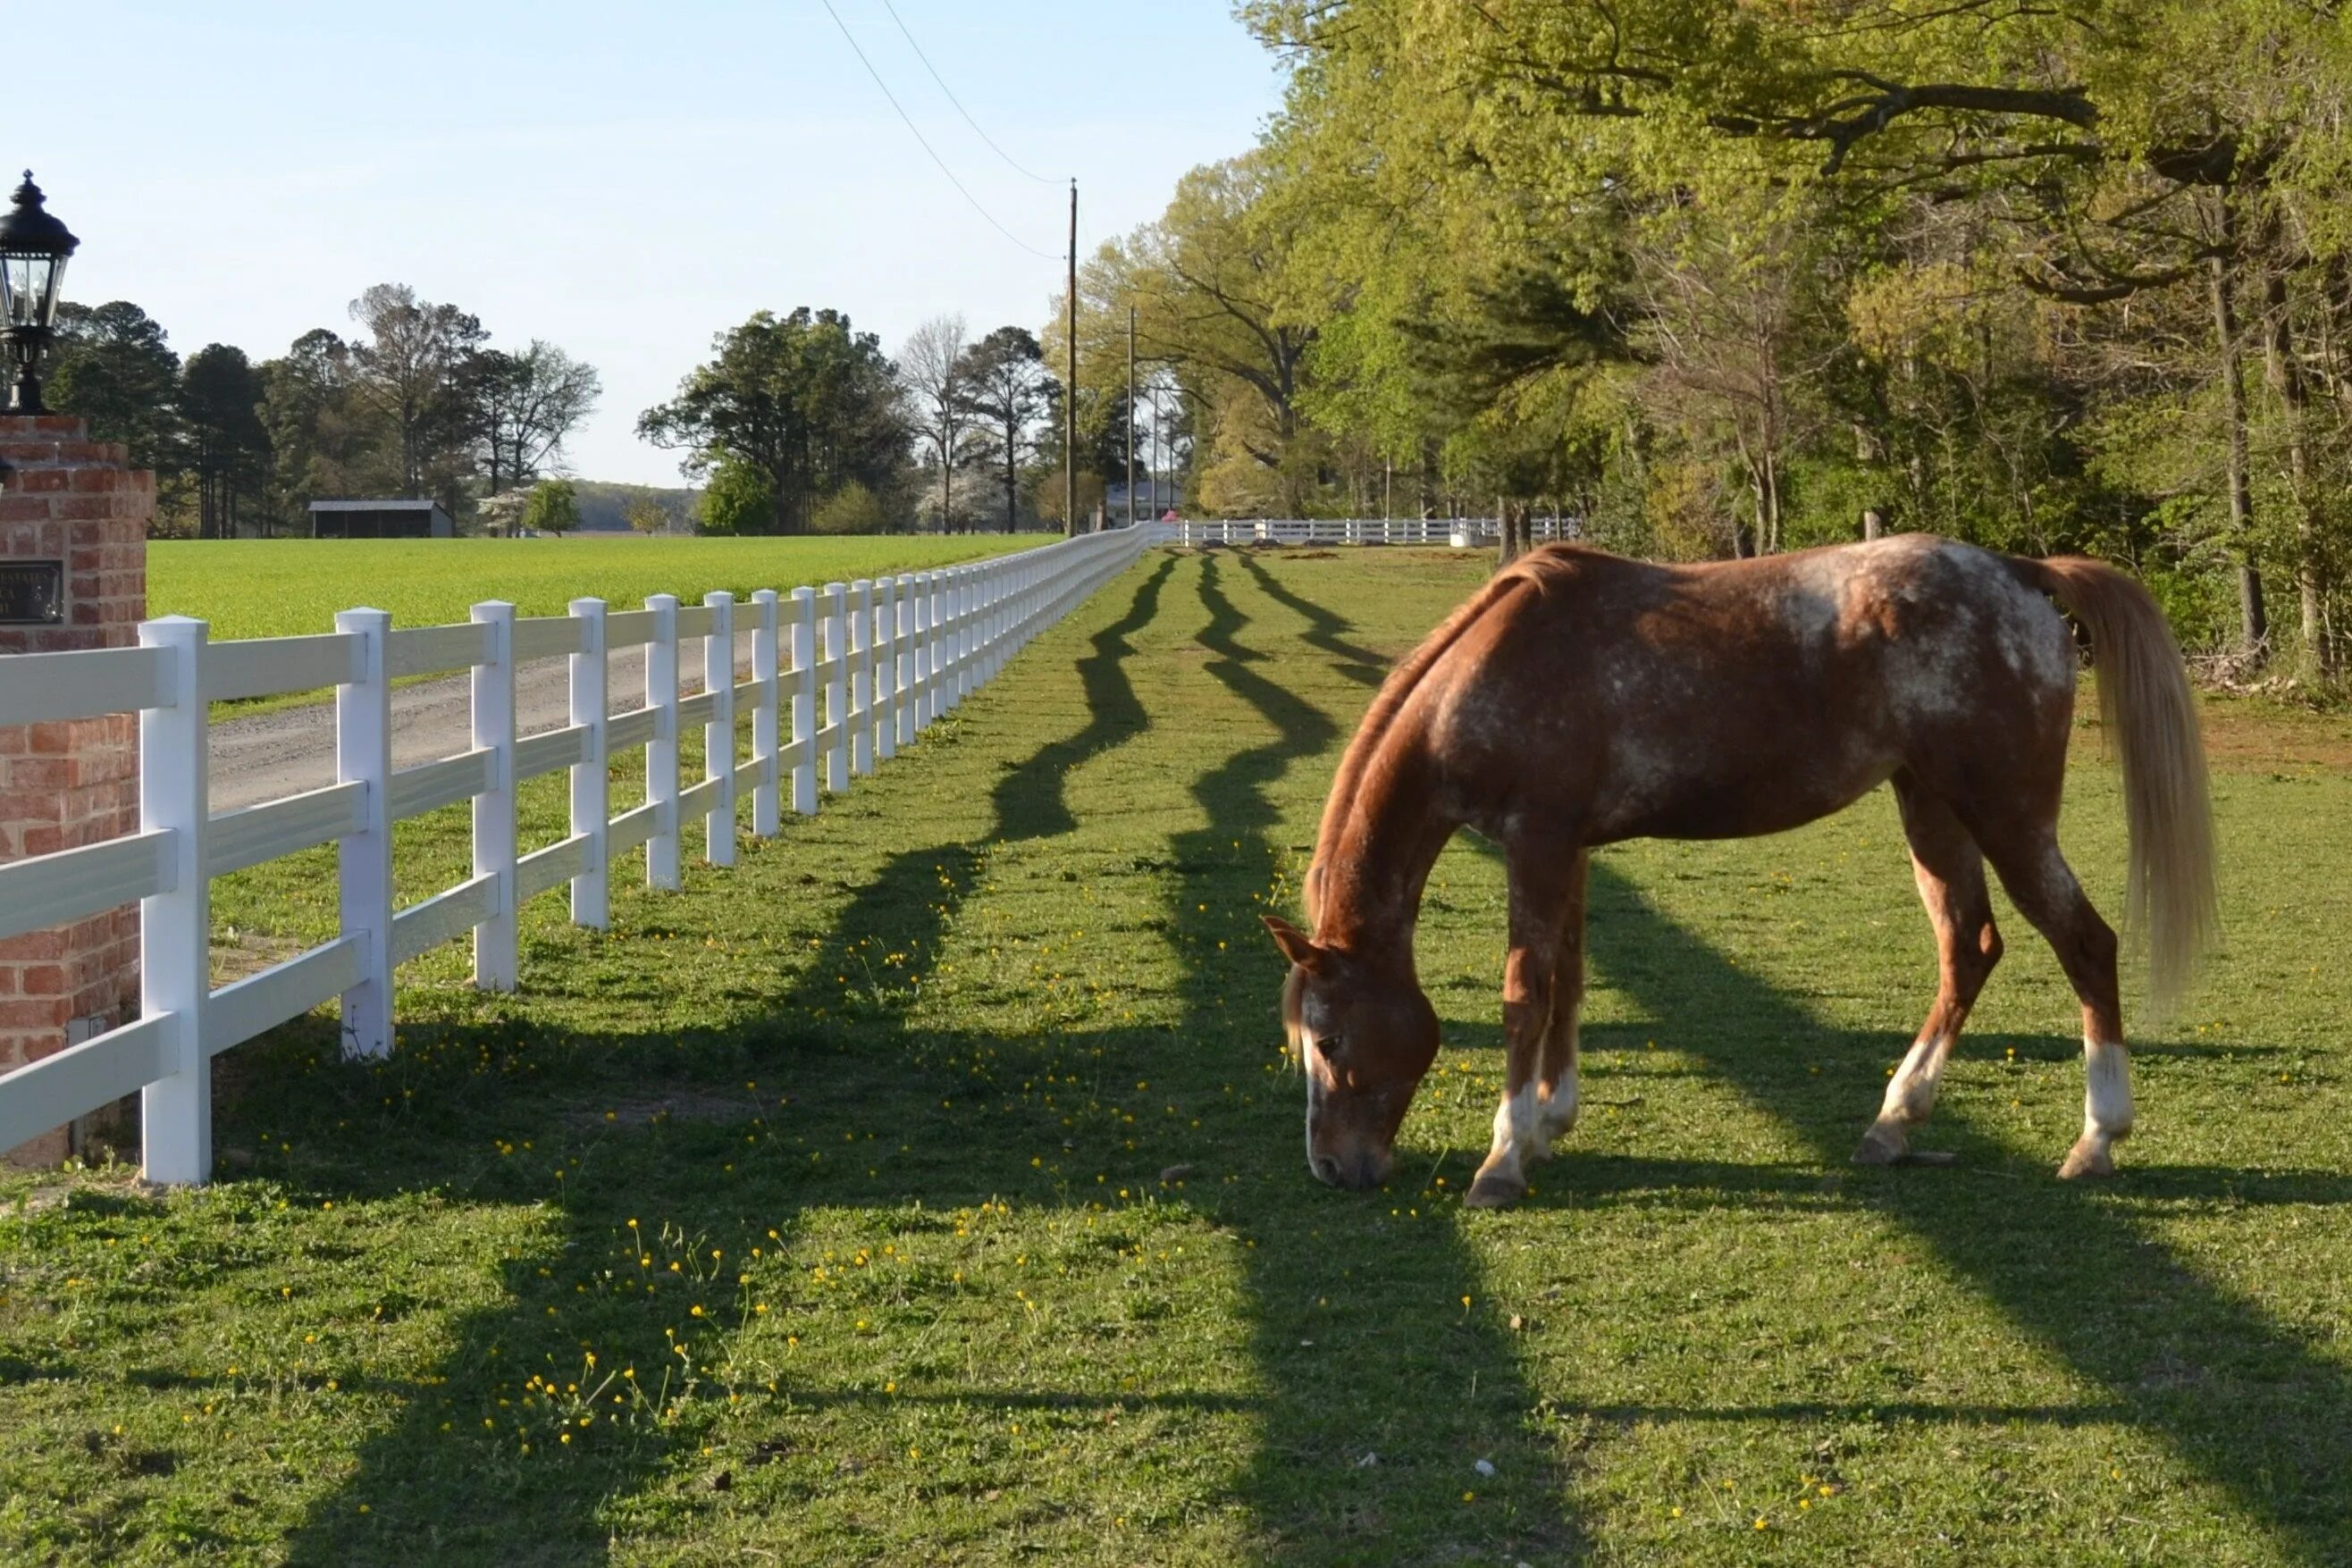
[(1462, 533), (841, 679)]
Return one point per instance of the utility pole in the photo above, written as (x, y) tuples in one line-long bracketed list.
[(1130, 416), (1070, 386)]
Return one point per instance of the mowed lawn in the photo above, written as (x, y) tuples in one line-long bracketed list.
[(931, 1189), (290, 587)]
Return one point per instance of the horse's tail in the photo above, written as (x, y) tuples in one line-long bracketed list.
[(2146, 703)]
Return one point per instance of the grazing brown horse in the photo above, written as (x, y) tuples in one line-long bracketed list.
[(1579, 698)]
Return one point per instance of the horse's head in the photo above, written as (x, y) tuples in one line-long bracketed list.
[(1365, 1035)]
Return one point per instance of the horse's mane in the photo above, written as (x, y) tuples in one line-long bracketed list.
[(1535, 569)]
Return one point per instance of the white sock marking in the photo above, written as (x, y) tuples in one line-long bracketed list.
[(1911, 1092), (1518, 1131), (2107, 1090)]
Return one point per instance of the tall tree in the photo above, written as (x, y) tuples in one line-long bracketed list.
[(1205, 282), (521, 408), (1004, 387), (228, 443), (114, 368), (407, 360), (326, 440), (804, 402), (931, 369)]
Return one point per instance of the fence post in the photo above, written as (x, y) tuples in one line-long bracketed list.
[(837, 686), (766, 715), (592, 804), (719, 730), (935, 638), (364, 755), (950, 638), (943, 638), (991, 620), (804, 770), (975, 631), (920, 650), (902, 643), (175, 926), (497, 941), (887, 696), (861, 676), (661, 751)]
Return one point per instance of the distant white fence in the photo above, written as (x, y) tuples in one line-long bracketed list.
[(1461, 533), (841, 677)]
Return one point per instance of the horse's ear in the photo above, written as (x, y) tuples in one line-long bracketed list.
[(1296, 944)]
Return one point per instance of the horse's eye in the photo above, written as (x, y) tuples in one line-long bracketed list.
[(1330, 1045)]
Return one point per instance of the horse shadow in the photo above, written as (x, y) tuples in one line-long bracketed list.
[(723, 1121)]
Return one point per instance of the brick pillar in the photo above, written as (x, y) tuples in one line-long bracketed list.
[(77, 502)]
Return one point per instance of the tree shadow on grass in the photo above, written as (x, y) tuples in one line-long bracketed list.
[(2252, 1404), (1387, 1378)]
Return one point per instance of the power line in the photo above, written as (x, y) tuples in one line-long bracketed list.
[(983, 212), (952, 99)]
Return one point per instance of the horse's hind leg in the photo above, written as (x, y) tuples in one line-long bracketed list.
[(1949, 870), (1542, 878), (2043, 888)]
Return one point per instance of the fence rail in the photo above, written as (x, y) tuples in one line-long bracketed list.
[(888, 656), (1460, 533)]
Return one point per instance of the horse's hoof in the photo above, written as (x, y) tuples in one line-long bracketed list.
[(2086, 1159), (1883, 1145), (1494, 1192)]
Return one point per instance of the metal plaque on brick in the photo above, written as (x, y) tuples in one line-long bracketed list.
[(32, 593)]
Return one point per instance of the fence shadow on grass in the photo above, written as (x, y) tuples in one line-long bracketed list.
[(1386, 1377), (2250, 1403), (1325, 627), (436, 1482)]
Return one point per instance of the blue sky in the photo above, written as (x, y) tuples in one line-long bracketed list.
[(620, 180)]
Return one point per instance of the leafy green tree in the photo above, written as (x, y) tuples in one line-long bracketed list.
[(1205, 282), (803, 401), (852, 509), (553, 507), (737, 499), (646, 516)]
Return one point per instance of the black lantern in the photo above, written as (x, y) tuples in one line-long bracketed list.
[(33, 250)]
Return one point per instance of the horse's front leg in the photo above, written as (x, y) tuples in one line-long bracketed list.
[(1542, 881)]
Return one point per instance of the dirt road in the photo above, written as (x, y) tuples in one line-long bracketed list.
[(284, 753)]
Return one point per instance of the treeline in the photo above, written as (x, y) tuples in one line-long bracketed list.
[(1727, 279), (800, 423), (414, 402)]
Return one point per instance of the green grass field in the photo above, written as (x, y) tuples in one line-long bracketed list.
[(284, 588), (931, 1189)]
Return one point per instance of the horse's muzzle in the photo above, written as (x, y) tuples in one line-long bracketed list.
[(1356, 1171)]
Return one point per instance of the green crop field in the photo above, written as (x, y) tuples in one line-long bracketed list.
[(929, 1188), (283, 588)]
